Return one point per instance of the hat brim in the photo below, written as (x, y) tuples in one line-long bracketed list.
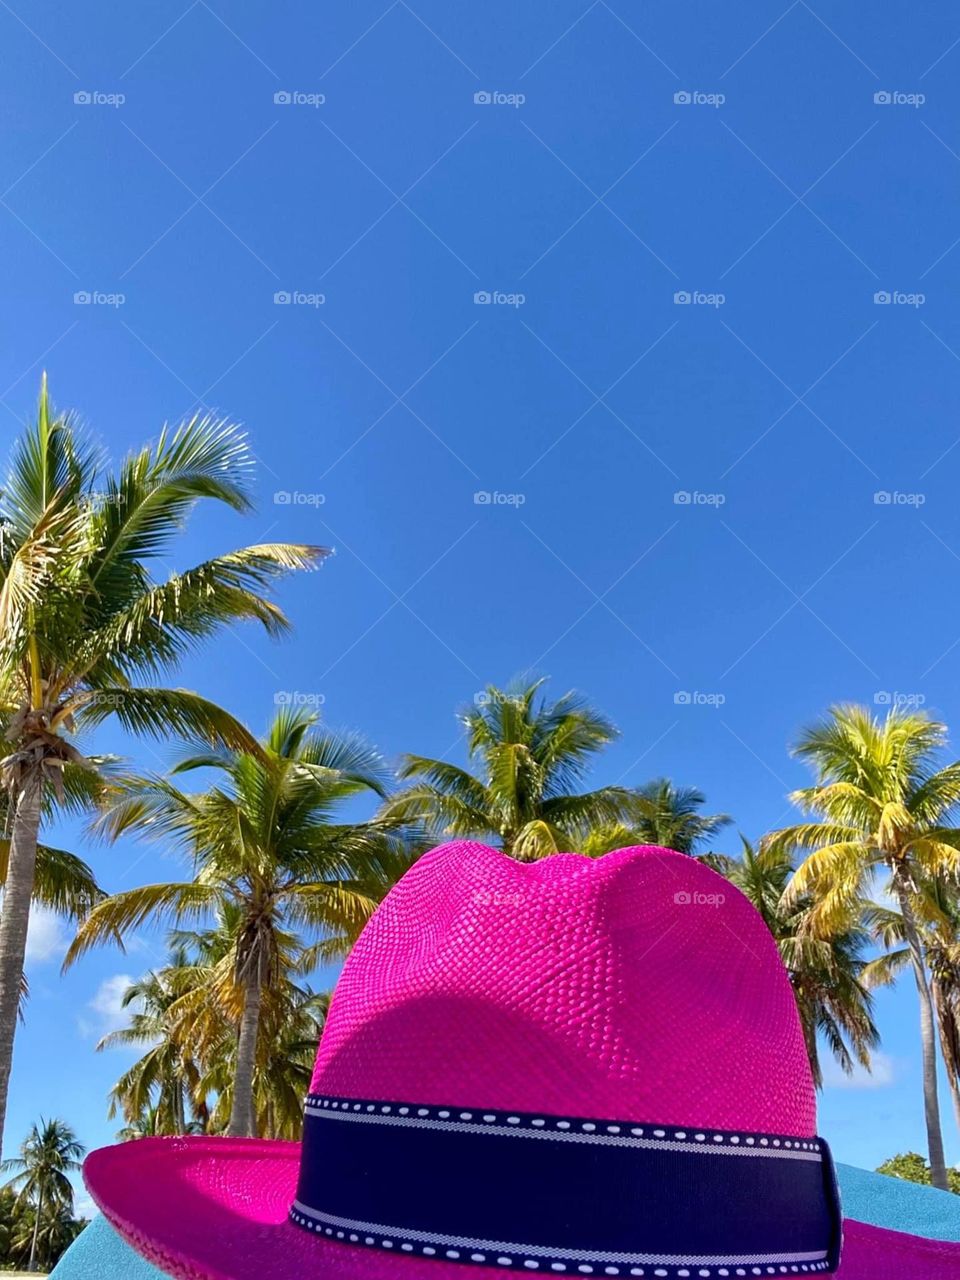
[(216, 1209)]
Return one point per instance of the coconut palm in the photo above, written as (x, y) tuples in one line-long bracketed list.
[(291, 1019), (884, 808), (46, 1236), (163, 1083), (54, 1232), (62, 882), (826, 973), (938, 919), (186, 1018), (661, 814), (530, 755), (291, 1025), (83, 621), (267, 856), (148, 1124), (49, 1153)]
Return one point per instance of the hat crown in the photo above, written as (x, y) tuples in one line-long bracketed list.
[(640, 985)]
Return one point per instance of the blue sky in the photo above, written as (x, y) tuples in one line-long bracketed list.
[(721, 474)]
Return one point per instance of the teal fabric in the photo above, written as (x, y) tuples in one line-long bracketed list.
[(899, 1205), (100, 1254)]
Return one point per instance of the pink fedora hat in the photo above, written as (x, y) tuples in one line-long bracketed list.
[(578, 1067)]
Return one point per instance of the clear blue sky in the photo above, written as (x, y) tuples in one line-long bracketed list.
[(582, 185)]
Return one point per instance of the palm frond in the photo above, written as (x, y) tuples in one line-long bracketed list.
[(112, 918), (163, 622), (161, 713)]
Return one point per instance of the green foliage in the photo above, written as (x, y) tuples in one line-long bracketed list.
[(263, 842), (83, 620), (270, 863), (530, 755), (913, 1168), (90, 618), (882, 805), (660, 814), (36, 1205), (185, 1016), (827, 973)]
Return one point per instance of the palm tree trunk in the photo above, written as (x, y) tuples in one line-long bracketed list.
[(32, 1264), (179, 1109), (241, 1112), (947, 1030), (931, 1104), (15, 916), (955, 1094)]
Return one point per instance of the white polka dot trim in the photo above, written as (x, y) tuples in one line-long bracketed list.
[(542, 1255), (311, 1222), (562, 1127)]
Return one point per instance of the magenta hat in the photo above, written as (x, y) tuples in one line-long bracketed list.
[(575, 1067)]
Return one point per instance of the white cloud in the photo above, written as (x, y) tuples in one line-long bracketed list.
[(47, 936), (83, 1205), (881, 1076), (107, 1005)]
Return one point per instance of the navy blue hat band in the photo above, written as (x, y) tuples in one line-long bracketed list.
[(563, 1194)]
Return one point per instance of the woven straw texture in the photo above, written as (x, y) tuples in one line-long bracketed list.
[(637, 986)]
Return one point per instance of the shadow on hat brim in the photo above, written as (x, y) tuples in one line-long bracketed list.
[(216, 1209)]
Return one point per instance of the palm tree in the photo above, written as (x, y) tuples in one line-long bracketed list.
[(660, 814), (530, 755), (82, 619), (148, 1124), (938, 919), (163, 1082), (49, 1153), (884, 809), (291, 1026), (267, 856), (63, 883), (291, 1020), (186, 1018), (48, 1235), (826, 973)]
